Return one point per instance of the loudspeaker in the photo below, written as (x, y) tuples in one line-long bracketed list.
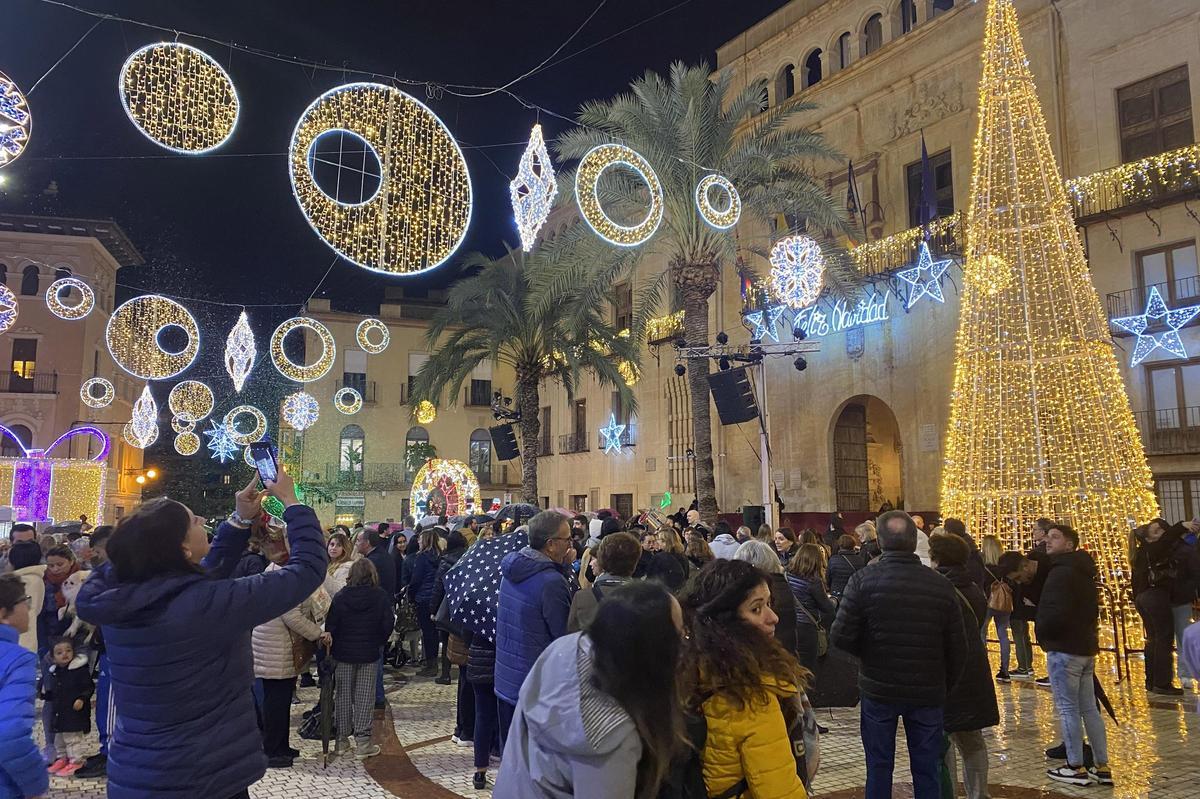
[(753, 517), (505, 442), (734, 397)]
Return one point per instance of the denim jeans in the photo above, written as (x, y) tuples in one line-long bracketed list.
[(923, 733), (1001, 620), (1020, 636), (973, 747), (1072, 682), (487, 719), (1183, 618)]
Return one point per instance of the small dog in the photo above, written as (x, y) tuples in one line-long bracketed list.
[(70, 589)]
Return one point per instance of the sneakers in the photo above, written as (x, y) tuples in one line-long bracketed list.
[(57, 765), (69, 769), (1059, 752), (94, 766), (1003, 676), (1022, 674), (370, 750), (341, 747), (1101, 776), (464, 742), (1043, 681), (480, 780), (1069, 775)]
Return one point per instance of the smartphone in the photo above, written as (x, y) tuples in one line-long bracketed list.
[(263, 455)]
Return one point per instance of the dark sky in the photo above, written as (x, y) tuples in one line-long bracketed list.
[(227, 228)]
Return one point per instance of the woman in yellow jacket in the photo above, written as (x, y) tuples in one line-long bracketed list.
[(746, 683)]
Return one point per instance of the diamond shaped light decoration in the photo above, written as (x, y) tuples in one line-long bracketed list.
[(533, 189)]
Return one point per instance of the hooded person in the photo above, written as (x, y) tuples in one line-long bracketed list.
[(723, 544)]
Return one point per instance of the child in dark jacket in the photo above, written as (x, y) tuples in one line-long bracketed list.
[(68, 687), (359, 622)]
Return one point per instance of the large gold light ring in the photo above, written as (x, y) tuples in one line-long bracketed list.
[(179, 97), (368, 326), (420, 214), (347, 400), (91, 400), (296, 371), (721, 220), (132, 337), (587, 182), (238, 437), (191, 401), (87, 299)]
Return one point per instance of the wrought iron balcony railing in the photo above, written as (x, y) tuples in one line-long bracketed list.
[(387, 475), (1139, 184), (1131, 302), (664, 328), (947, 236), (1170, 431), (573, 442), (37, 383)]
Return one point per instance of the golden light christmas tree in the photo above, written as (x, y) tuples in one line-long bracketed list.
[(1040, 423)]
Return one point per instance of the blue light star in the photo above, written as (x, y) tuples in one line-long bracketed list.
[(220, 444), (764, 322), (612, 434), (931, 285), (1169, 340)]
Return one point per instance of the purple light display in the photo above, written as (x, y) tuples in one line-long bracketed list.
[(33, 474)]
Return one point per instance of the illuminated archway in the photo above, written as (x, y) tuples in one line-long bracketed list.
[(452, 480)]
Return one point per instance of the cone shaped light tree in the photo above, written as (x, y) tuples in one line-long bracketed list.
[(1040, 423)]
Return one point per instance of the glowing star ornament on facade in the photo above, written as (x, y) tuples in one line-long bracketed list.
[(240, 352), (612, 434), (928, 285), (592, 167), (144, 424), (764, 323), (303, 373), (369, 329), (222, 447), (301, 410), (797, 271), (16, 123), (533, 189), (1168, 339), (42, 488), (63, 310), (1040, 422), (133, 333), (179, 97), (9, 309), (720, 218)]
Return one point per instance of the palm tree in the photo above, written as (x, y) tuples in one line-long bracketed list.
[(688, 125), (489, 318)]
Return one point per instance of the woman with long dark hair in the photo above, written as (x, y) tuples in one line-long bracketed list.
[(746, 684), (420, 593), (177, 636), (599, 712), (814, 608)]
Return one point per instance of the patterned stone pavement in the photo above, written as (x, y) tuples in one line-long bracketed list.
[(1149, 751)]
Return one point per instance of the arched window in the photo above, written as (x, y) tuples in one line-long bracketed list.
[(908, 15), (942, 6), (812, 68), (873, 34), (416, 451), (480, 457), (843, 50), (764, 99), (785, 83), (29, 281), (9, 448), (351, 450), (61, 272)]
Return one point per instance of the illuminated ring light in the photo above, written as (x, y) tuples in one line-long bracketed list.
[(17, 124), (299, 372), (587, 181), (87, 298), (180, 426), (420, 214), (365, 328), (425, 412), (255, 434), (179, 97), (456, 482), (9, 310), (131, 439), (107, 393), (301, 410), (187, 443), (132, 337), (348, 400), (797, 270), (191, 401), (248, 458), (721, 220)]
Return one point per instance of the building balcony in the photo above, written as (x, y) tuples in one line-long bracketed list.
[(947, 236), (1137, 186), (366, 388), (367, 475), (37, 383), (664, 328), (628, 437), (1131, 302), (573, 442), (1171, 431)]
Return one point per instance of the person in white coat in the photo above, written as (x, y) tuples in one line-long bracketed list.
[(26, 560)]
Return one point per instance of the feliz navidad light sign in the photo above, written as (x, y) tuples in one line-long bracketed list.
[(44, 489)]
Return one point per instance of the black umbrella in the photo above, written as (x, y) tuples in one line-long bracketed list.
[(326, 670), (519, 512)]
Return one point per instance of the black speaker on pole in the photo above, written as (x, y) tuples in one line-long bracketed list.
[(505, 442), (753, 517), (734, 396)]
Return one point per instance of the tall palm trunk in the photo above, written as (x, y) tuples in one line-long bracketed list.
[(529, 405), (696, 283)]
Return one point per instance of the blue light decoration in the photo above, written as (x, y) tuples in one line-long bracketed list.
[(1169, 339), (931, 285), (15, 121), (533, 189), (797, 270), (612, 434), (9, 309), (220, 444), (300, 410), (765, 322)]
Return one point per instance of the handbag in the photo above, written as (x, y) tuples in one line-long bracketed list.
[(302, 650), (1000, 597), (456, 650), (441, 619), (822, 636)]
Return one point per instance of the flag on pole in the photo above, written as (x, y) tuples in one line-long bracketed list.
[(927, 206), (854, 204)]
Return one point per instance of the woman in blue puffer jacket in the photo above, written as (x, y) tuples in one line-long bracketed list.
[(177, 632)]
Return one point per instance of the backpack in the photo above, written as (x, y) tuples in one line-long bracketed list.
[(1000, 597)]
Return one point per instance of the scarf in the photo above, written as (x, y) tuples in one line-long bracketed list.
[(56, 581)]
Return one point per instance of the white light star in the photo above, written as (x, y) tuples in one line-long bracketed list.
[(931, 285), (220, 444), (612, 434), (764, 322), (1169, 339)]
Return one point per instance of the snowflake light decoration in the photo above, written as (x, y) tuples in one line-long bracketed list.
[(220, 444), (144, 424), (363, 333), (240, 352), (87, 393), (533, 189), (612, 434), (592, 166), (255, 433), (54, 301), (721, 219), (191, 401), (303, 373), (797, 270), (1169, 340), (9, 310), (187, 443), (16, 123), (179, 97), (347, 400), (931, 285), (133, 331), (300, 410)]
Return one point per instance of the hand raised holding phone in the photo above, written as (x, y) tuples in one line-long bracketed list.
[(282, 488)]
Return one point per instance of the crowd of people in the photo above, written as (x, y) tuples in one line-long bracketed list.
[(627, 659)]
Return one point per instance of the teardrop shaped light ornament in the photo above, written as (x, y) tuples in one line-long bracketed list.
[(240, 352), (533, 189)]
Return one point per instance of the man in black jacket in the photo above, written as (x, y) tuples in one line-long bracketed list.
[(903, 621), (1067, 627), (373, 547)]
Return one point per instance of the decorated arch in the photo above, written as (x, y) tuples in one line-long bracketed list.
[(448, 482)]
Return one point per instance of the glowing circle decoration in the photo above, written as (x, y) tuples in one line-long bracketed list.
[(368, 326), (9, 309), (300, 410), (179, 97), (296, 371), (721, 219), (132, 440), (133, 332), (236, 434), (54, 300), (89, 396), (595, 163), (347, 400), (180, 426), (425, 412), (453, 480), (248, 458), (187, 443), (16, 123), (419, 215), (797, 271), (191, 401)]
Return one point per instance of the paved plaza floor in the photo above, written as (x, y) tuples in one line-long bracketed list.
[(1150, 750)]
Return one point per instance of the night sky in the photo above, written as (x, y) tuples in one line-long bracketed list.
[(224, 226)]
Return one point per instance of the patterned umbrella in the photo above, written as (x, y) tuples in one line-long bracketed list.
[(473, 584)]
